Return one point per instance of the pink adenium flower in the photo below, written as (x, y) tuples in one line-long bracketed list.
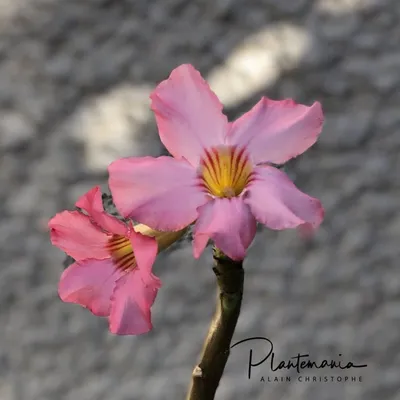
[(220, 174), (112, 274)]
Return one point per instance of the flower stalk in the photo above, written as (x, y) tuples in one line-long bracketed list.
[(214, 356)]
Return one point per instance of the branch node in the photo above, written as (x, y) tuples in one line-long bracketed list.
[(197, 372)]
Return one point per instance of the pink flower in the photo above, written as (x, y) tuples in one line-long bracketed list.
[(219, 175), (108, 277)]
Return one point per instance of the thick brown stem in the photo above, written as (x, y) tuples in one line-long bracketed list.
[(207, 374)]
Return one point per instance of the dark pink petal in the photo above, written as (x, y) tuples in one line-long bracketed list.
[(276, 131), (145, 249), (72, 232), (162, 192), (306, 231), (229, 223), (92, 203), (89, 283), (189, 115), (131, 304), (276, 202)]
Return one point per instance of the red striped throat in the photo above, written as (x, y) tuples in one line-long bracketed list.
[(121, 252), (225, 171)]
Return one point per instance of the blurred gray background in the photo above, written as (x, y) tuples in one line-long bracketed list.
[(75, 76)]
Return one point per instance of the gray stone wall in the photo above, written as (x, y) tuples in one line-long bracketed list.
[(74, 82)]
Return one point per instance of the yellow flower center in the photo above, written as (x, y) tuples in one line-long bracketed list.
[(121, 252), (225, 171), (120, 248)]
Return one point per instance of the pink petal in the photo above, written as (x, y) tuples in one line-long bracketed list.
[(162, 192), (89, 283), (92, 203), (276, 131), (131, 303), (145, 249), (276, 202), (229, 223), (72, 232), (189, 115), (306, 231)]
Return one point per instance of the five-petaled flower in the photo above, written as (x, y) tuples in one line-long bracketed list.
[(221, 174), (108, 277)]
